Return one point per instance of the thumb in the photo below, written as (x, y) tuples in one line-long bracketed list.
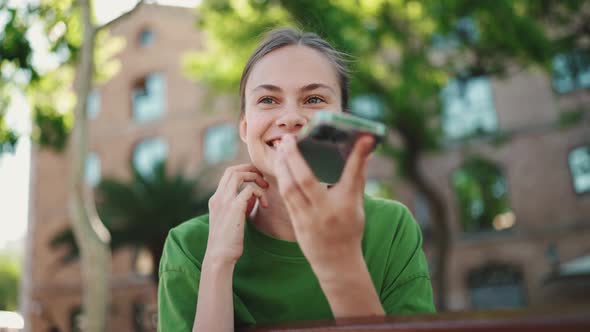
[(354, 171)]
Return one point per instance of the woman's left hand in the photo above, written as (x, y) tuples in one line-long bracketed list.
[(328, 223)]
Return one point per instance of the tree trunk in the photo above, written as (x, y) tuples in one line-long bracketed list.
[(26, 285), (156, 249), (441, 234), (91, 235)]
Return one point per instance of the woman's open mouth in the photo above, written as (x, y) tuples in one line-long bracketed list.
[(274, 143)]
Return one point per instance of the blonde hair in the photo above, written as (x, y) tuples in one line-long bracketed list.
[(280, 38)]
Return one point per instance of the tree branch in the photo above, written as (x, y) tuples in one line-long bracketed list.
[(120, 17)]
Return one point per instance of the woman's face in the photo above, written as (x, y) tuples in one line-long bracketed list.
[(283, 91)]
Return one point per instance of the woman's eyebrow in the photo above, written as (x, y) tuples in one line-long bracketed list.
[(305, 88), (269, 87), (313, 86)]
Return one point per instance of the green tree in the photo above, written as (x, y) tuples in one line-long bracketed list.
[(9, 281), (15, 52), (481, 193), (140, 212), (403, 54), (72, 33)]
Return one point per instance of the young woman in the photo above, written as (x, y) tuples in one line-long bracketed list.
[(309, 251)]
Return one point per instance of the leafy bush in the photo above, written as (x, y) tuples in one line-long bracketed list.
[(9, 281)]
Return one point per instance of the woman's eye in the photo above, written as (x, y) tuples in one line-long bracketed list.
[(266, 100), (314, 100)]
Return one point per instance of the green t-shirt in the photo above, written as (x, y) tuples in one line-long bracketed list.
[(273, 282)]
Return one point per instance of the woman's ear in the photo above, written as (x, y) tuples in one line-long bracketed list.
[(243, 127)]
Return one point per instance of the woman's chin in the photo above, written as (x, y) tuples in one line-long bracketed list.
[(266, 168), (269, 175)]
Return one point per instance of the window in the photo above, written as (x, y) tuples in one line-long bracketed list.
[(576, 266), (146, 37), (422, 211), (571, 71), (496, 286), (468, 108), (552, 256), (579, 161), (367, 106), (93, 104), (220, 143), (148, 98), (482, 196), (148, 154), (92, 171)]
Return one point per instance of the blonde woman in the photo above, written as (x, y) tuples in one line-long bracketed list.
[(308, 252)]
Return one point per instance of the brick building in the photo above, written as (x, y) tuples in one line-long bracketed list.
[(536, 250), (149, 111)]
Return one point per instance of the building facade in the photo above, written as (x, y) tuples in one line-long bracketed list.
[(517, 198), (149, 111), (513, 235)]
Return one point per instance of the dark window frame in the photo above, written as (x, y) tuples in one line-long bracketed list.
[(141, 83), (570, 171), (487, 270), (491, 232), (463, 86), (575, 66), (141, 35), (204, 137), (140, 140)]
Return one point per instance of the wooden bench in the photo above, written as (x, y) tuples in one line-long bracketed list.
[(538, 320)]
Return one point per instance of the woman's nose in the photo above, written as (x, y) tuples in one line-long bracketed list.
[(291, 119)]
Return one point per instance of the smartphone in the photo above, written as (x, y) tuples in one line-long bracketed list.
[(328, 138)]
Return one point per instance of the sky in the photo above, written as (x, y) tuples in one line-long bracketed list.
[(14, 176), (14, 168)]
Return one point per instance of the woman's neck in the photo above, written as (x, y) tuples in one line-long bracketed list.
[(274, 220)]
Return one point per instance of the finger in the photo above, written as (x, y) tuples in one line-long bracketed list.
[(237, 168), (246, 194), (239, 178), (288, 188), (264, 201), (353, 175), (303, 175)]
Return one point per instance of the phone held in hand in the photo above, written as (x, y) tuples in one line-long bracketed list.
[(327, 140)]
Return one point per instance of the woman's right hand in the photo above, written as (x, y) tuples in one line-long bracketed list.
[(229, 206)]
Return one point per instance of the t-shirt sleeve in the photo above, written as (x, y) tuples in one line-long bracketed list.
[(177, 288), (407, 288)]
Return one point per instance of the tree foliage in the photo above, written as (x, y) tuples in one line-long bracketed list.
[(19, 71), (9, 282), (72, 33), (140, 212), (403, 52), (481, 193), (47, 83)]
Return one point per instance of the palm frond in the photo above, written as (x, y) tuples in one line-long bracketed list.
[(141, 211)]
